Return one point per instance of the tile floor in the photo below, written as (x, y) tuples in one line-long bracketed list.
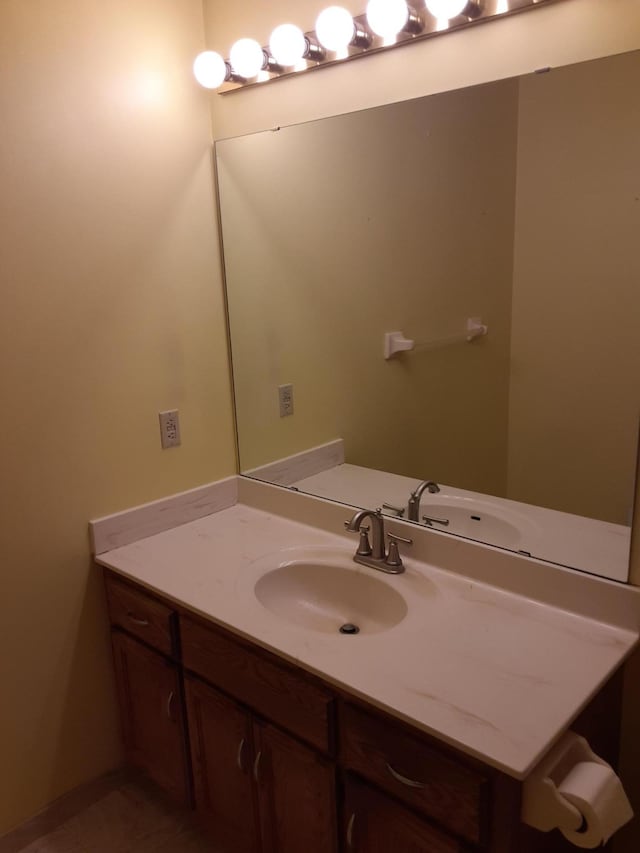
[(129, 819)]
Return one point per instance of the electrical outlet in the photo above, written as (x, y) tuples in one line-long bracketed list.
[(169, 428), (285, 399)]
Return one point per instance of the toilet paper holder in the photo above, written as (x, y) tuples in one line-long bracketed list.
[(543, 807)]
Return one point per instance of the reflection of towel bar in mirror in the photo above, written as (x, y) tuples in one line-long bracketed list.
[(395, 342)]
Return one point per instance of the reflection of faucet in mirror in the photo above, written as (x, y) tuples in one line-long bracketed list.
[(414, 501), (375, 555)]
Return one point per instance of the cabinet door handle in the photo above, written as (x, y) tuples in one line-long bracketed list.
[(350, 825), (410, 783), (144, 623), (256, 766), (169, 705), (240, 756)]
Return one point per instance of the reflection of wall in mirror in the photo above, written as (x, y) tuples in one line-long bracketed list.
[(576, 296), (333, 265)]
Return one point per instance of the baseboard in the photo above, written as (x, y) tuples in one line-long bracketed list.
[(61, 810)]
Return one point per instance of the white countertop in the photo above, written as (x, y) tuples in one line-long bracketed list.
[(495, 674)]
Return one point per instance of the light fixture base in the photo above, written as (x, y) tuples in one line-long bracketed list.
[(420, 25)]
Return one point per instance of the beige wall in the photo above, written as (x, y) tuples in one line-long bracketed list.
[(110, 311), (576, 303), (325, 228)]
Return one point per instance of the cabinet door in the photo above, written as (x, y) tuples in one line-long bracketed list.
[(374, 823), (297, 795), (151, 709), (222, 758)]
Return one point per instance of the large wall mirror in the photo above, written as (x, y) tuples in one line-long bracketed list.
[(515, 205)]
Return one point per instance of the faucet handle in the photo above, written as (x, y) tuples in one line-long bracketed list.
[(393, 538), (393, 557), (364, 546)]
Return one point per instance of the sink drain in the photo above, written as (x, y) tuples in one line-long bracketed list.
[(349, 628)]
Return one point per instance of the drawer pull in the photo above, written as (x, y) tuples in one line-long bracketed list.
[(410, 783), (256, 767), (350, 826), (169, 705), (142, 622), (240, 756)]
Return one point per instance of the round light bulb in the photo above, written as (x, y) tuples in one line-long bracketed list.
[(210, 69), (446, 8), (387, 17), (287, 44), (335, 28), (246, 58)]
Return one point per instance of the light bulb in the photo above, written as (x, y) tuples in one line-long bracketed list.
[(335, 28), (287, 44), (210, 69), (387, 17), (246, 58), (446, 8)]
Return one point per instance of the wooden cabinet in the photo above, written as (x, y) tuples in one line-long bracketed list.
[(452, 793), (142, 616), (257, 788), (279, 760), (151, 711), (297, 795), (222, 757), (276, 691)]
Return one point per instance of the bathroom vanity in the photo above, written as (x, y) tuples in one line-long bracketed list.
[(284, 760), (413, 735)]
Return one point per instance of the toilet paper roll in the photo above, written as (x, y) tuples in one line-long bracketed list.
[(597, 793)]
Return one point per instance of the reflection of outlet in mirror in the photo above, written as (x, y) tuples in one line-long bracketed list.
[(285, 398), (169, 428)]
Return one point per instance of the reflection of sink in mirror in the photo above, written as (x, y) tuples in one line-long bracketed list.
[(477, 519), (324, 595), (558, 537)]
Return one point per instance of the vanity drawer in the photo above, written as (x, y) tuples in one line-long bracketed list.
[(450, 793), (378, 824), (141, 615), (274, 691)]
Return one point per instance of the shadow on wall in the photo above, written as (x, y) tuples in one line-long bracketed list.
[(89, 698)]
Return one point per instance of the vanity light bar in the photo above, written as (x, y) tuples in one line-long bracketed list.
[(338, 38)]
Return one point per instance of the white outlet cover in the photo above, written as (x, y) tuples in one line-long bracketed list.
[(169, 428)]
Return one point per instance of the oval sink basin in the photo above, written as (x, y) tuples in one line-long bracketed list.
[(479, 520), (324, 597)]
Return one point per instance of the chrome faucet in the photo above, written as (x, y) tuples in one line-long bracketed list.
[(375, 554), (414, 500)]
